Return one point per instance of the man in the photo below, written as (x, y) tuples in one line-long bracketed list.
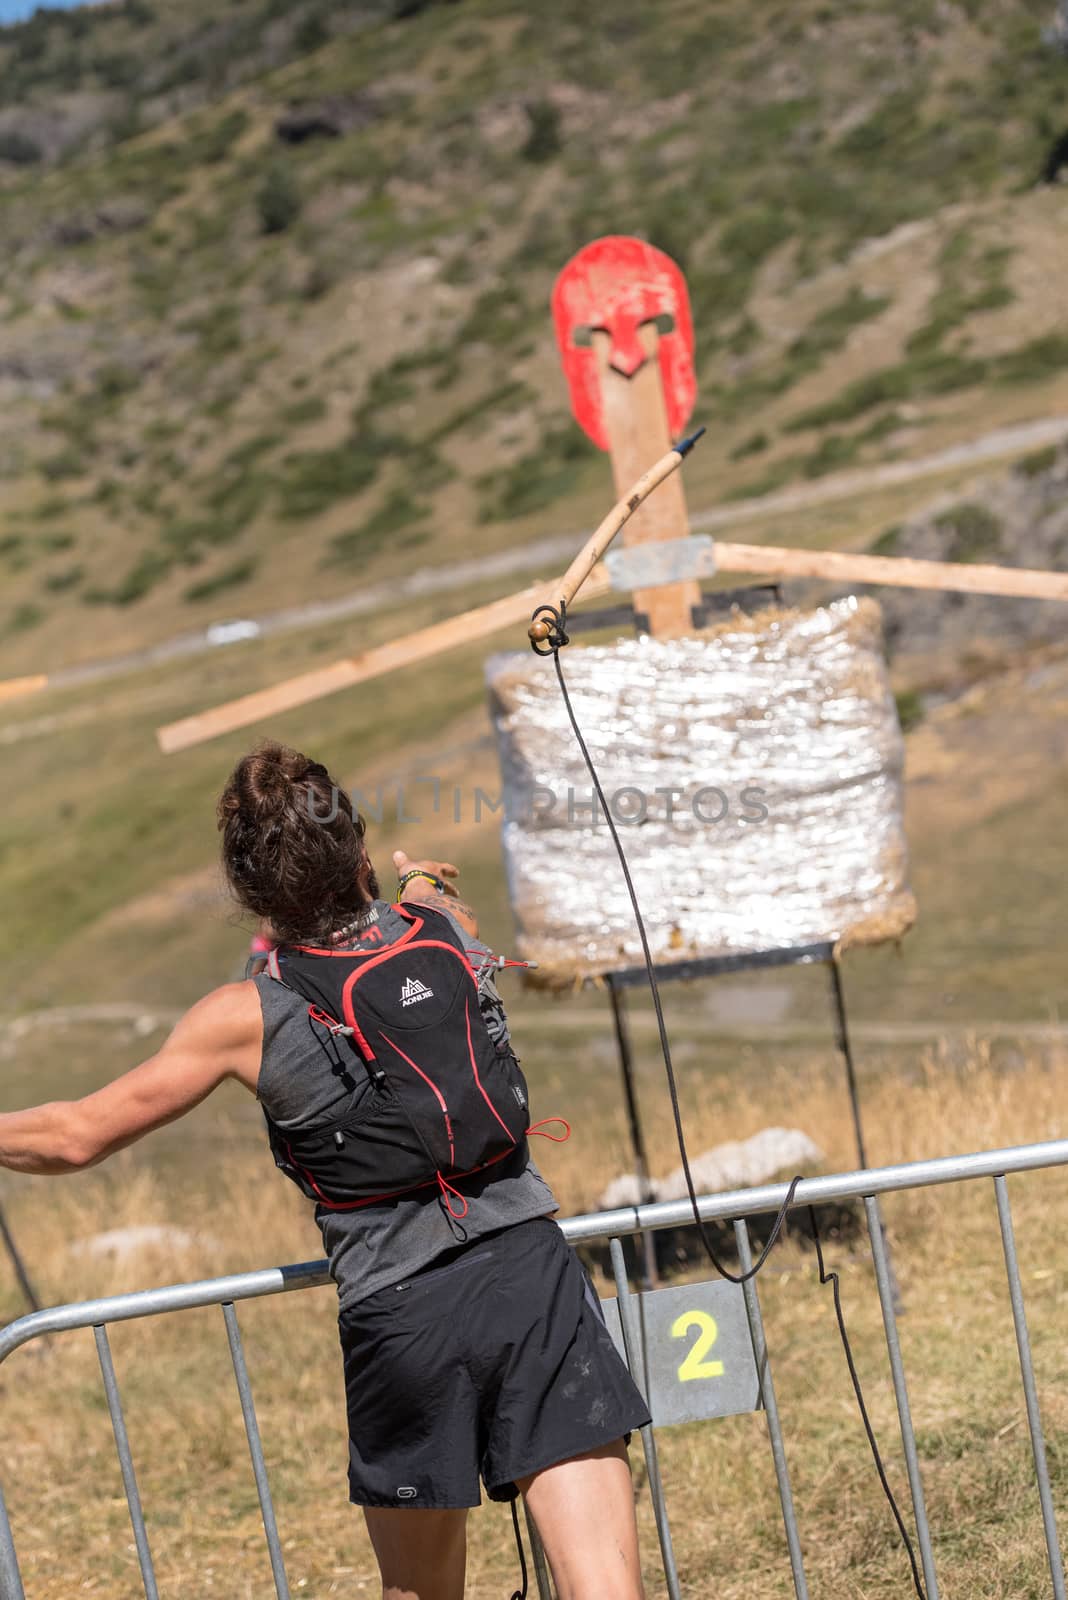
[(472, 1342)]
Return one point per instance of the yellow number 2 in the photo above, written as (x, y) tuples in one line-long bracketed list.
[(695, 1365)]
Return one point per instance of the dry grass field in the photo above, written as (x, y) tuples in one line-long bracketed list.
[(62, 1481)]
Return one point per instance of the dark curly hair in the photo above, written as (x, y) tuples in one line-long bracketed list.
[(292, 846)]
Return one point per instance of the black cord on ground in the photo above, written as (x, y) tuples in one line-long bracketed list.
[(520, 1594), (836, 1290)]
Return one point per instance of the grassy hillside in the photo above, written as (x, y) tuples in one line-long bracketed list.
[(273, 279)]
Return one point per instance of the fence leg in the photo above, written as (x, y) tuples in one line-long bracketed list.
[(771, 1411), (21, 1273), (255, 1447), (904, 1413), (1027, 1372), (628, 1322), (10, 1577), (129, 1477), (537, 1559)]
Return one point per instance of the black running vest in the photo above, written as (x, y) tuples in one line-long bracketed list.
[(444, 1099)]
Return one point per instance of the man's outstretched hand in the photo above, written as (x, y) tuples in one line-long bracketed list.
[(441, 869), (420, 890)]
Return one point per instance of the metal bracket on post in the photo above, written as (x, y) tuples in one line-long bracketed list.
[(653, 566)]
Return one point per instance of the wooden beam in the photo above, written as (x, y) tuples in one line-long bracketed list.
[(842, 566), (440, 636)]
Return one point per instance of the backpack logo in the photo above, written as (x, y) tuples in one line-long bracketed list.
[(414, 991)]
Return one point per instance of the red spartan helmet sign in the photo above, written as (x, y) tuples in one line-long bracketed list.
[(615, 284)]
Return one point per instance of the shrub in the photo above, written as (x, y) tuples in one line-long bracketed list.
[(25, 616), (397, 512), (975, 532), (834, 451), (60, 582), (142, 577), (933, 372), (314, 479), (311, 34), (543, 140), (887, 543), (1030, 363), (1038, 462), (18, 149), (910, 708), (69, 463), (311, 409), (229, 578), (754, 445), (115, 380), (215, 144), (536, 479), (830, 328), (278, 199)]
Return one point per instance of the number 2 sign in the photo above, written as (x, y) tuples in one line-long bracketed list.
[(695, 1353)]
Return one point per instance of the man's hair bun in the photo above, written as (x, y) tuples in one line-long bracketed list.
[(292, 845)]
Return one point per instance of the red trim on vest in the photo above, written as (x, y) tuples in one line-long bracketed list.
[(478, 1080), (393, 1194), (437, 1092)]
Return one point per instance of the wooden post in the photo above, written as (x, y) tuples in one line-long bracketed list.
[(635, 417)]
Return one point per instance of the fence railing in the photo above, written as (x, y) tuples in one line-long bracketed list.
[(639, 1319)]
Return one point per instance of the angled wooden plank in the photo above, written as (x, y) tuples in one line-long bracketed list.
[(440, 636)]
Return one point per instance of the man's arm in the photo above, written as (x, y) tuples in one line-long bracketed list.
[(221, 1037)]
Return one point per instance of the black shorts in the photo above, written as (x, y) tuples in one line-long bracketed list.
[(494, 1363)]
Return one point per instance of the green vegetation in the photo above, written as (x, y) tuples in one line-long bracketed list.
[(543, 140), (230, 577), (1038, 462), (975, 533), (888, 542), (19, 149), (139, 580), (972, 281), (910, 709), (278, 199), (398, 513), (312, 480), (537, 478), (829, 329), (755, 444), (931, 373)]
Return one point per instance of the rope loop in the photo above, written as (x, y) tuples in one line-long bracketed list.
[(557, 616)]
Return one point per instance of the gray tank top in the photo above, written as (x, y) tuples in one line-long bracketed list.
[(302, 1080)]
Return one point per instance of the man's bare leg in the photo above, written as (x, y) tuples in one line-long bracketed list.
[(584, 1512), (422, 1555)]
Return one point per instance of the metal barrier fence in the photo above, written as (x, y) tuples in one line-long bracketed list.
[(650, 1329)]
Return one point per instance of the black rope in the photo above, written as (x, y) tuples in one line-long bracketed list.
[(836, 1290), (553, 645), (555, 641), (520, 1594)]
